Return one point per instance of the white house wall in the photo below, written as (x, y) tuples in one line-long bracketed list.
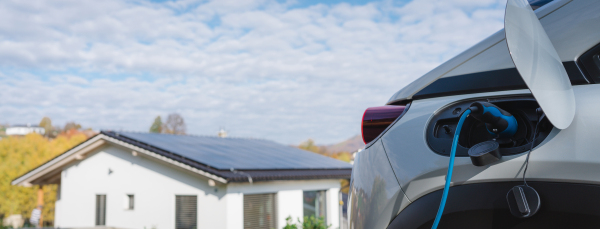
[(235, 211), (24, 130), (289, 194), (154, 186), (289, 205)]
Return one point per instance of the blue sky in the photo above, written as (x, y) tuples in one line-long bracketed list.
[(280, 70)]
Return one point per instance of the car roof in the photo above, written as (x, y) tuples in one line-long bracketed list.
[(573, 27)]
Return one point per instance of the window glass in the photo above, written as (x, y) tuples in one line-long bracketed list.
[(130, 200), (590, 64), (538, 3), (314, 204), (100, 210)]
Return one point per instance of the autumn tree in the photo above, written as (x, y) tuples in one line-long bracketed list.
[(71, 126), (46, 123), (157, 125), (309, 145), (174, 124), (19, 155)]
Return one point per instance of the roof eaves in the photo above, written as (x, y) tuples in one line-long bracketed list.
[(164, 155), (273, 175)]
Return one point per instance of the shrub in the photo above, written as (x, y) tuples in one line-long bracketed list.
[(308, 223)]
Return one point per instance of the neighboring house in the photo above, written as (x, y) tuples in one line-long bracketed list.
[(24, 129), (143, 180)]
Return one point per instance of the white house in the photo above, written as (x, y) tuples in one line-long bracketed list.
[(24, 129), (142, 180)]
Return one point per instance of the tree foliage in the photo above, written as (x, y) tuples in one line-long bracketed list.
[(309, 145), (19, 155), (46, 123), (49, 130), (71, 126), (174, 124), (157, 125)]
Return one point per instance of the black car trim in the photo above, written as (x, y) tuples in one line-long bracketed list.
[(489, 81), (484, 205)]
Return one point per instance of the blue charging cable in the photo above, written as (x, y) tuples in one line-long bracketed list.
[(450, 166)]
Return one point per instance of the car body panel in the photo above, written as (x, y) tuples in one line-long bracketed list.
[(569, 155), (400, 159), (484, 205), (419, 170), (409, 170), (376, 194)]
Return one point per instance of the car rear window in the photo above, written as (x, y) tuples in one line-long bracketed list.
[(538, 3)]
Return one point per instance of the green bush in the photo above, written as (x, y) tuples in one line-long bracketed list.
[(308, 223), (289, 224)]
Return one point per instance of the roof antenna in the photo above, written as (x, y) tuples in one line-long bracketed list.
[(222, 133)]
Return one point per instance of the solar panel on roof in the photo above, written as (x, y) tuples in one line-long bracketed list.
[(238, 153)]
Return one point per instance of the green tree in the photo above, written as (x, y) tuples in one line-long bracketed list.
[(157, 125)]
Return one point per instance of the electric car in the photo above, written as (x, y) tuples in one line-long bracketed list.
[(549, 85)]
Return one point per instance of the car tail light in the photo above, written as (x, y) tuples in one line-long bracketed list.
[(376, 119)]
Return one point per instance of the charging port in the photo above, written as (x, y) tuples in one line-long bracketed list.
[(474, 132)]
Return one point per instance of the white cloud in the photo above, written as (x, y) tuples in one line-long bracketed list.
[(258, 68)]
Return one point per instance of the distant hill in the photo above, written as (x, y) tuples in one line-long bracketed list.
[(351, 145)]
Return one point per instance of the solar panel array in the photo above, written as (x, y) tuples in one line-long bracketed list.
[(237, 153)]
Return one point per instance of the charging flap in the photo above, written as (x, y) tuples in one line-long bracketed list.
[(538, 63)]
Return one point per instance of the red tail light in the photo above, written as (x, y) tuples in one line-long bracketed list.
[(376, 119)]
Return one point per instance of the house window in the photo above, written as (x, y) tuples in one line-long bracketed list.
[(100, 210), (315, 204), (129, 200), (186, 214), (260, 211)]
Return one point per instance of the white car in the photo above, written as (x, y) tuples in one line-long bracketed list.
[(399, 180)]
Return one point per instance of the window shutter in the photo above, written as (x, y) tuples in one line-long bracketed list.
[(100, 210), (260, 211), (186, 215)]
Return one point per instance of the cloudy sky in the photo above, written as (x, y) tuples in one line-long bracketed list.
[(279, 70)]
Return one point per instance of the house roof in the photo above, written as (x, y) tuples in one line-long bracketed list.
[(222, 159), (25, 125), (237, 153)]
